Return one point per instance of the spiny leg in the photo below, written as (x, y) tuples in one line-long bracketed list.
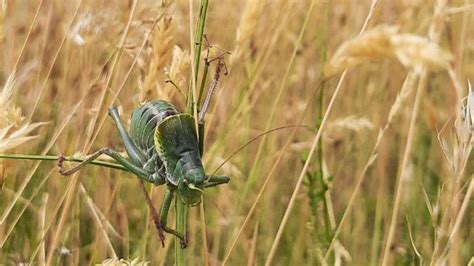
[(132, 150), (110, 152), (154, 214), (165, 207), (216, 180)]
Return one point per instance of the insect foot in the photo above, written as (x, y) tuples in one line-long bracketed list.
[(161, 235), (60, 164), (184, 242)]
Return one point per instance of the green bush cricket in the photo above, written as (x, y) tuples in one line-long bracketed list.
[(163, 149)]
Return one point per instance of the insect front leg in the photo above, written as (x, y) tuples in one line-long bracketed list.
[(216, 180), (110, 152), (165, 207)]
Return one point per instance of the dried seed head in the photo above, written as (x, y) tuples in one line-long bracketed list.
[(465, 123), (248, 22), (384, 42), (8, 112), (415, 51), (457, 151), (177, 72), (468, 109), (161, 54), (373, 45), (75, 34), (351, 123), (10, 117)]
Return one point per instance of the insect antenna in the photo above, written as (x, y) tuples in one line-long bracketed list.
[(319, 84), (219, 209), (256, 138), (169, 80), (244, 146)]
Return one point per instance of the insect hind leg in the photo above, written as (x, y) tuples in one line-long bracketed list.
[(133, 152), (154, 214)]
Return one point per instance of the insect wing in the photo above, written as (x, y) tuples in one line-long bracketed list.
[(174, 136)]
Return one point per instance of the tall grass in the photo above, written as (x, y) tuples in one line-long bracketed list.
[(376, 168)]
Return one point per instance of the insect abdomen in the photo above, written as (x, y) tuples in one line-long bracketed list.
[(144, 121)]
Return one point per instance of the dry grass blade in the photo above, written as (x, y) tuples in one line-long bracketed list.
[(42, 219), (460, 215), (413, 243), (3, 11), (253, 247)]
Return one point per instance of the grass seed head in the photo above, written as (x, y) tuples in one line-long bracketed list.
[(124, 262), (249, 20), (162, 47), (11, 135), (385, 42)]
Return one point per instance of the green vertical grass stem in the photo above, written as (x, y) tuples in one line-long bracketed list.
[(181, 217)]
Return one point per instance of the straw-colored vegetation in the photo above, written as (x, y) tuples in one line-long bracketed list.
[(378, 171)]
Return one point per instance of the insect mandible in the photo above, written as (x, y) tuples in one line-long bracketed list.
[(162, 149)]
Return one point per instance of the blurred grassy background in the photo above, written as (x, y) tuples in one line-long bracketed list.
[(80, 54)]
